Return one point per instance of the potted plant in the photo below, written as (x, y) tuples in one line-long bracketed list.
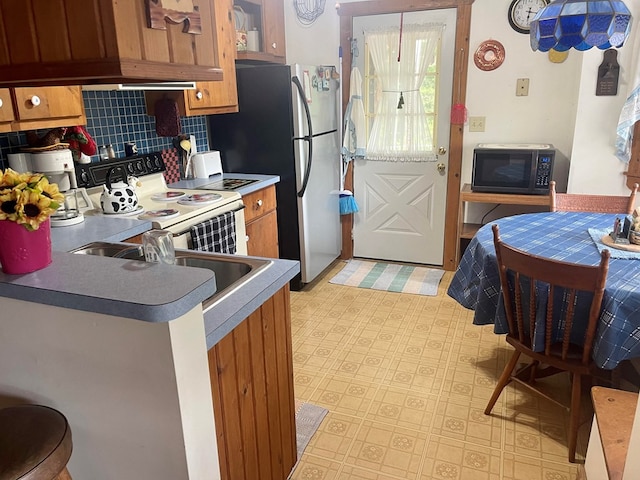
[(27, 200)]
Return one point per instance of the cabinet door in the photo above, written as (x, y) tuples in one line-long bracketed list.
[(273, 21), (36, 103), (221, 96), (6, 110), (262, 236)]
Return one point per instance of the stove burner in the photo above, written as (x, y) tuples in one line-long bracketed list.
[(228, 184)]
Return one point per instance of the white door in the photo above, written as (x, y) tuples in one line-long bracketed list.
[(402, 204)]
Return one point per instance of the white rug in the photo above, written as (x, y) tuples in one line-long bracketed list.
[(391, 277)]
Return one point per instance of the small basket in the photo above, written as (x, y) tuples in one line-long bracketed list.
[(634, 237), (241, 28)]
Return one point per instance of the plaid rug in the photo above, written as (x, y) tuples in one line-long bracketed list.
[(391, 277)]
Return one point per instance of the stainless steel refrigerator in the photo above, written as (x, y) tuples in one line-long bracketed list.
[(288, 126)]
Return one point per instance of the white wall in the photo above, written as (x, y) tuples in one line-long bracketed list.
[(561, 108)]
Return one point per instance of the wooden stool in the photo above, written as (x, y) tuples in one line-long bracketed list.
[(35, 443)]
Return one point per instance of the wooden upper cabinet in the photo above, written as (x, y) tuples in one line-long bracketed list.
[(6, 110), (36, 103), (28, 108), (273, 19), (64, 42), (210, 97), (268, 17)]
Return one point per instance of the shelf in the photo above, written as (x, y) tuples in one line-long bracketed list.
[(466, 231), (257, 57), (466, 195), (469, 230)]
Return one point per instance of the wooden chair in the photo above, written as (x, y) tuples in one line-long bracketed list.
[(575, 202), (35, 443), (519, 272)]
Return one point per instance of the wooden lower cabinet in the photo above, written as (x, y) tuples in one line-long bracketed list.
[(251, 373), (262, 222)]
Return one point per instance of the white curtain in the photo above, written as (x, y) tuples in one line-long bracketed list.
[(630, 113), (401, 134)]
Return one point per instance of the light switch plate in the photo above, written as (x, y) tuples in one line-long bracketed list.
[(476, 124), (522, 87)]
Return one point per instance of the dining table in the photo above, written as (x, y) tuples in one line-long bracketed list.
[(573, 237)]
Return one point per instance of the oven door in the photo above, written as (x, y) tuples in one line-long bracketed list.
[(182, 230)]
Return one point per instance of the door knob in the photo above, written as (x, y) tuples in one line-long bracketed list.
[(442, 151), (441, 167)]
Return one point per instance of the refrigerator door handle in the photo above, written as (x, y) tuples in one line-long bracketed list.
[(308, 138)]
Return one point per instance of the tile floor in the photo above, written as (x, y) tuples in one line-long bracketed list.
[(406, 379)]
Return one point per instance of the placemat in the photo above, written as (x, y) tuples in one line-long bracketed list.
[(597, 233)]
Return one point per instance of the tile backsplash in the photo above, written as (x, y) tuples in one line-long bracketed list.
[(115, 117)]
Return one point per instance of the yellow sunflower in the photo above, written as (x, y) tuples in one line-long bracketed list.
[(9, 205), (51, 191), (12, 179), (34, 208)]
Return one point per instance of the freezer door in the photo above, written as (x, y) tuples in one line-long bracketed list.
[(319, 207), (321, 98)]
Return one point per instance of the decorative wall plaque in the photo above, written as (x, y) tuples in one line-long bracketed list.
[(159, 12), (489, 55), (608, 74)]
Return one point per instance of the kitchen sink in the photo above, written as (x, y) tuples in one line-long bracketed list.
[(231, 272)]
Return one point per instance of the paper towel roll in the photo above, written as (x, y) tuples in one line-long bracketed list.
[(253, 40)]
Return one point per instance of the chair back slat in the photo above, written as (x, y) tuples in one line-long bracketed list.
[(532, 308), (561, 285), (568, 323), (577, 202), (548, 328)]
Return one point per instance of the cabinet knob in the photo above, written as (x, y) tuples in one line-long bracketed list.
[(35, 100), (259, 203), (0, 103), (199, 95), (274, 45)]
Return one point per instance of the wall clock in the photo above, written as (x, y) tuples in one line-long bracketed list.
[(521, 12)]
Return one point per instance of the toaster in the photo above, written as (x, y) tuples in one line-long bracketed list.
[(206, 164)]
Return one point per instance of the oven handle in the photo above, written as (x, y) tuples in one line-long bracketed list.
[(241, 207)]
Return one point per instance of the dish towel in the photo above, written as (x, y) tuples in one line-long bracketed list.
[(215, 235), (596, 234)]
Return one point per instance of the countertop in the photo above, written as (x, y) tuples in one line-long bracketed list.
[(132, 289), (263, 181)]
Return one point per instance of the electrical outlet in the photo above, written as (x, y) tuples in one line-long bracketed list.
[(476, 124), (522, 87)]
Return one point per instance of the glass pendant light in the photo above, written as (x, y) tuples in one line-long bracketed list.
[(580, 24)]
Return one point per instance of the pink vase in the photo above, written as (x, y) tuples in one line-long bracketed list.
[(22, 251)]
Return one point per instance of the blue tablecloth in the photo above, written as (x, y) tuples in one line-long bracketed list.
[(560, 236)]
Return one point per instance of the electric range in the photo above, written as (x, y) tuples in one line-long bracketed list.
[(176, 210)]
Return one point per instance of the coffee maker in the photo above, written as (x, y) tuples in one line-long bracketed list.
[(57, 165)]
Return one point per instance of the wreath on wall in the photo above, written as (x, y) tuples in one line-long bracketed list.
[(489, 55), (308, 11)]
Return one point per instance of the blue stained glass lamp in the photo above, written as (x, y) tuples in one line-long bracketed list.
[(580, 24)]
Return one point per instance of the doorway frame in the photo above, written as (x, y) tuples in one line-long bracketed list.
[(347, 11)]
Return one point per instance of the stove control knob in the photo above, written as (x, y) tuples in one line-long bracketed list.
[(149, 163), (84, 178), (139, 166), (130, 168), (157, 162)]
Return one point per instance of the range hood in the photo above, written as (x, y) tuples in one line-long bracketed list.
[(143, 86)]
